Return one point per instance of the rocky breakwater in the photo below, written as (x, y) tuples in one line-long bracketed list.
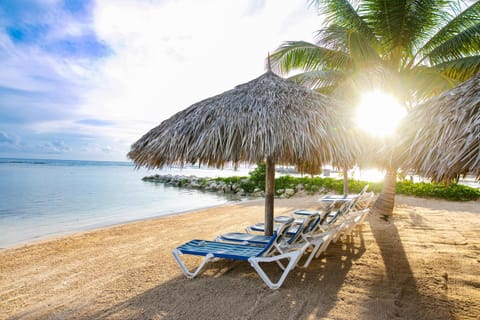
[(240, 186)]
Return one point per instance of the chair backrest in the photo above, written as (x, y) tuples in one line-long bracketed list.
[(305, 227), (365, 201), (277, 237), (342, 211), (363, 190)]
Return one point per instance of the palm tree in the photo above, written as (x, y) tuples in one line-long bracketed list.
[(411, 49)]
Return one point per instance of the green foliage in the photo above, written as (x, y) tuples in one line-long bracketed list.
[(286, 182), (202, 182), (249, 186), (428, 190), (453, 191), (317, 184), (241, 182), (231, 180), (257, 176), (430, 47)]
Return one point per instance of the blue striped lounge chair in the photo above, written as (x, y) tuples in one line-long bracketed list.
[(254, 254), (297, 236)]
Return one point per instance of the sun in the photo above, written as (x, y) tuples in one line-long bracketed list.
[(379, 113)]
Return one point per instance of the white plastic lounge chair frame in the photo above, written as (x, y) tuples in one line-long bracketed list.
[(304, 226), (253, 254), (358, 219), (306, 235), (301, 238)]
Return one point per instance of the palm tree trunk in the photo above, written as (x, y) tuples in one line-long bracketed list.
[(386, 200), (269, 193)]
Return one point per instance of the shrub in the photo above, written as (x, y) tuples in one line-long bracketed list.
[(452, 191), (312, 185), (257, 176)]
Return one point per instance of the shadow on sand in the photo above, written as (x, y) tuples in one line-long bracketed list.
[(306, 293), (401, 298), (324, 290)]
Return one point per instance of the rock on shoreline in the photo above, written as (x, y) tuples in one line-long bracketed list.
[(213, 185)]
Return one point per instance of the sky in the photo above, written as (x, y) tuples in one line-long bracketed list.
[(85, 79)]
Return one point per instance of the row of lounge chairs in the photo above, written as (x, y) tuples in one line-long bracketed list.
[(305, 233)]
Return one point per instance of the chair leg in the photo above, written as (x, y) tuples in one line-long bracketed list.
[(326, 242), (348, 230), (176, 254), (357, 221), (339, 232), (292, 257), (316, 245)]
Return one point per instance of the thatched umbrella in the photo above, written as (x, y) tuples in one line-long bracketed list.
[(267, 119), (442, 136)]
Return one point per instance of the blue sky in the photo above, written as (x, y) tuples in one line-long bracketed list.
[(85, 79)]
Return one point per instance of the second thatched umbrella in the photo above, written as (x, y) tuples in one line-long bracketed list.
[(442, 136), (267, 119)]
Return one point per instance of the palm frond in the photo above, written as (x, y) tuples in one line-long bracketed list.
[(362, 53), (400, 23), (464, 43), (307, 56), (333, 37), (427, 82), (342, 13), (319, 79), (452, 26), (460, 69)]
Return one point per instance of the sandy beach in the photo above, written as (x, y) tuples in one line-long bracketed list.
[(423, 264)]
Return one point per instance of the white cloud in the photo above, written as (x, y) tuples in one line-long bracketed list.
[(166, 56), (171, 54), (9, 139)]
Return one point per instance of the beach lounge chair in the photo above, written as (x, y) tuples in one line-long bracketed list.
[(306, 232), (254, 254), (298, 239), (298, 228), (302, 213), (340, 198), (357, 214), (357, 218)]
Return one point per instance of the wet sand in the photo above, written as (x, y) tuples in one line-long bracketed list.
[(423, 264)]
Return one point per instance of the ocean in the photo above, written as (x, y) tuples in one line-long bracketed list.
[(45, 198)]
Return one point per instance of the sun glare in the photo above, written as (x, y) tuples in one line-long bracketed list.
[(379, 113)]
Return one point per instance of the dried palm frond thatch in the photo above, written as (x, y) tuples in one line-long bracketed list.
[(267, 119), (442, 136)]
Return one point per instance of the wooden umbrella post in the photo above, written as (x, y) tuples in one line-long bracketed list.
[(345, 181), (269, 193)]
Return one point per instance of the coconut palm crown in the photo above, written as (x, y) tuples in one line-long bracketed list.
[(413, 50)]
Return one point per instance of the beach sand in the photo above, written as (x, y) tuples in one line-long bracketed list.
[(423, 264)]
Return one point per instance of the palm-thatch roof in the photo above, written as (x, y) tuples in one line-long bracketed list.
[(442, 136), (266, 117)]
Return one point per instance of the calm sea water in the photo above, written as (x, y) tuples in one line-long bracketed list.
[(42, 198)]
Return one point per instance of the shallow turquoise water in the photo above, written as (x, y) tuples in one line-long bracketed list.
[(42, 198)]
